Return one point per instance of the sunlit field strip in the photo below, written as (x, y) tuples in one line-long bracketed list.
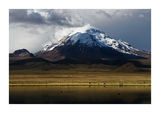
[(85, 84)]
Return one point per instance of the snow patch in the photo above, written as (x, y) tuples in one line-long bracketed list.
[(91, 36)]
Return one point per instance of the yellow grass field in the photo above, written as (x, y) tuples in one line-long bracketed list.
[(79, 75)]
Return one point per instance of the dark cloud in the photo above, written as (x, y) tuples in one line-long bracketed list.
[(59, 19), (104, 13), (21, 16), (32, 17)]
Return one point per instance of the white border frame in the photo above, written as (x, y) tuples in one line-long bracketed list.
[(5, 5)]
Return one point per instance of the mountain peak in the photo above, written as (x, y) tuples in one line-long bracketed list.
[(82, 29), (91, 36), (21, 53)]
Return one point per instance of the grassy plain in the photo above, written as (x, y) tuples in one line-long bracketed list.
[(80, 74)]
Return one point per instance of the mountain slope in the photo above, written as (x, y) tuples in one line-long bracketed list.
[(21, 53)]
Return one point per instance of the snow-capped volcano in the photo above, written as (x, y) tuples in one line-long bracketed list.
[(87, 44), (92, 37)]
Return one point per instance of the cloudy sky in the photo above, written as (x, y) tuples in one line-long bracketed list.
[(32, 29)]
